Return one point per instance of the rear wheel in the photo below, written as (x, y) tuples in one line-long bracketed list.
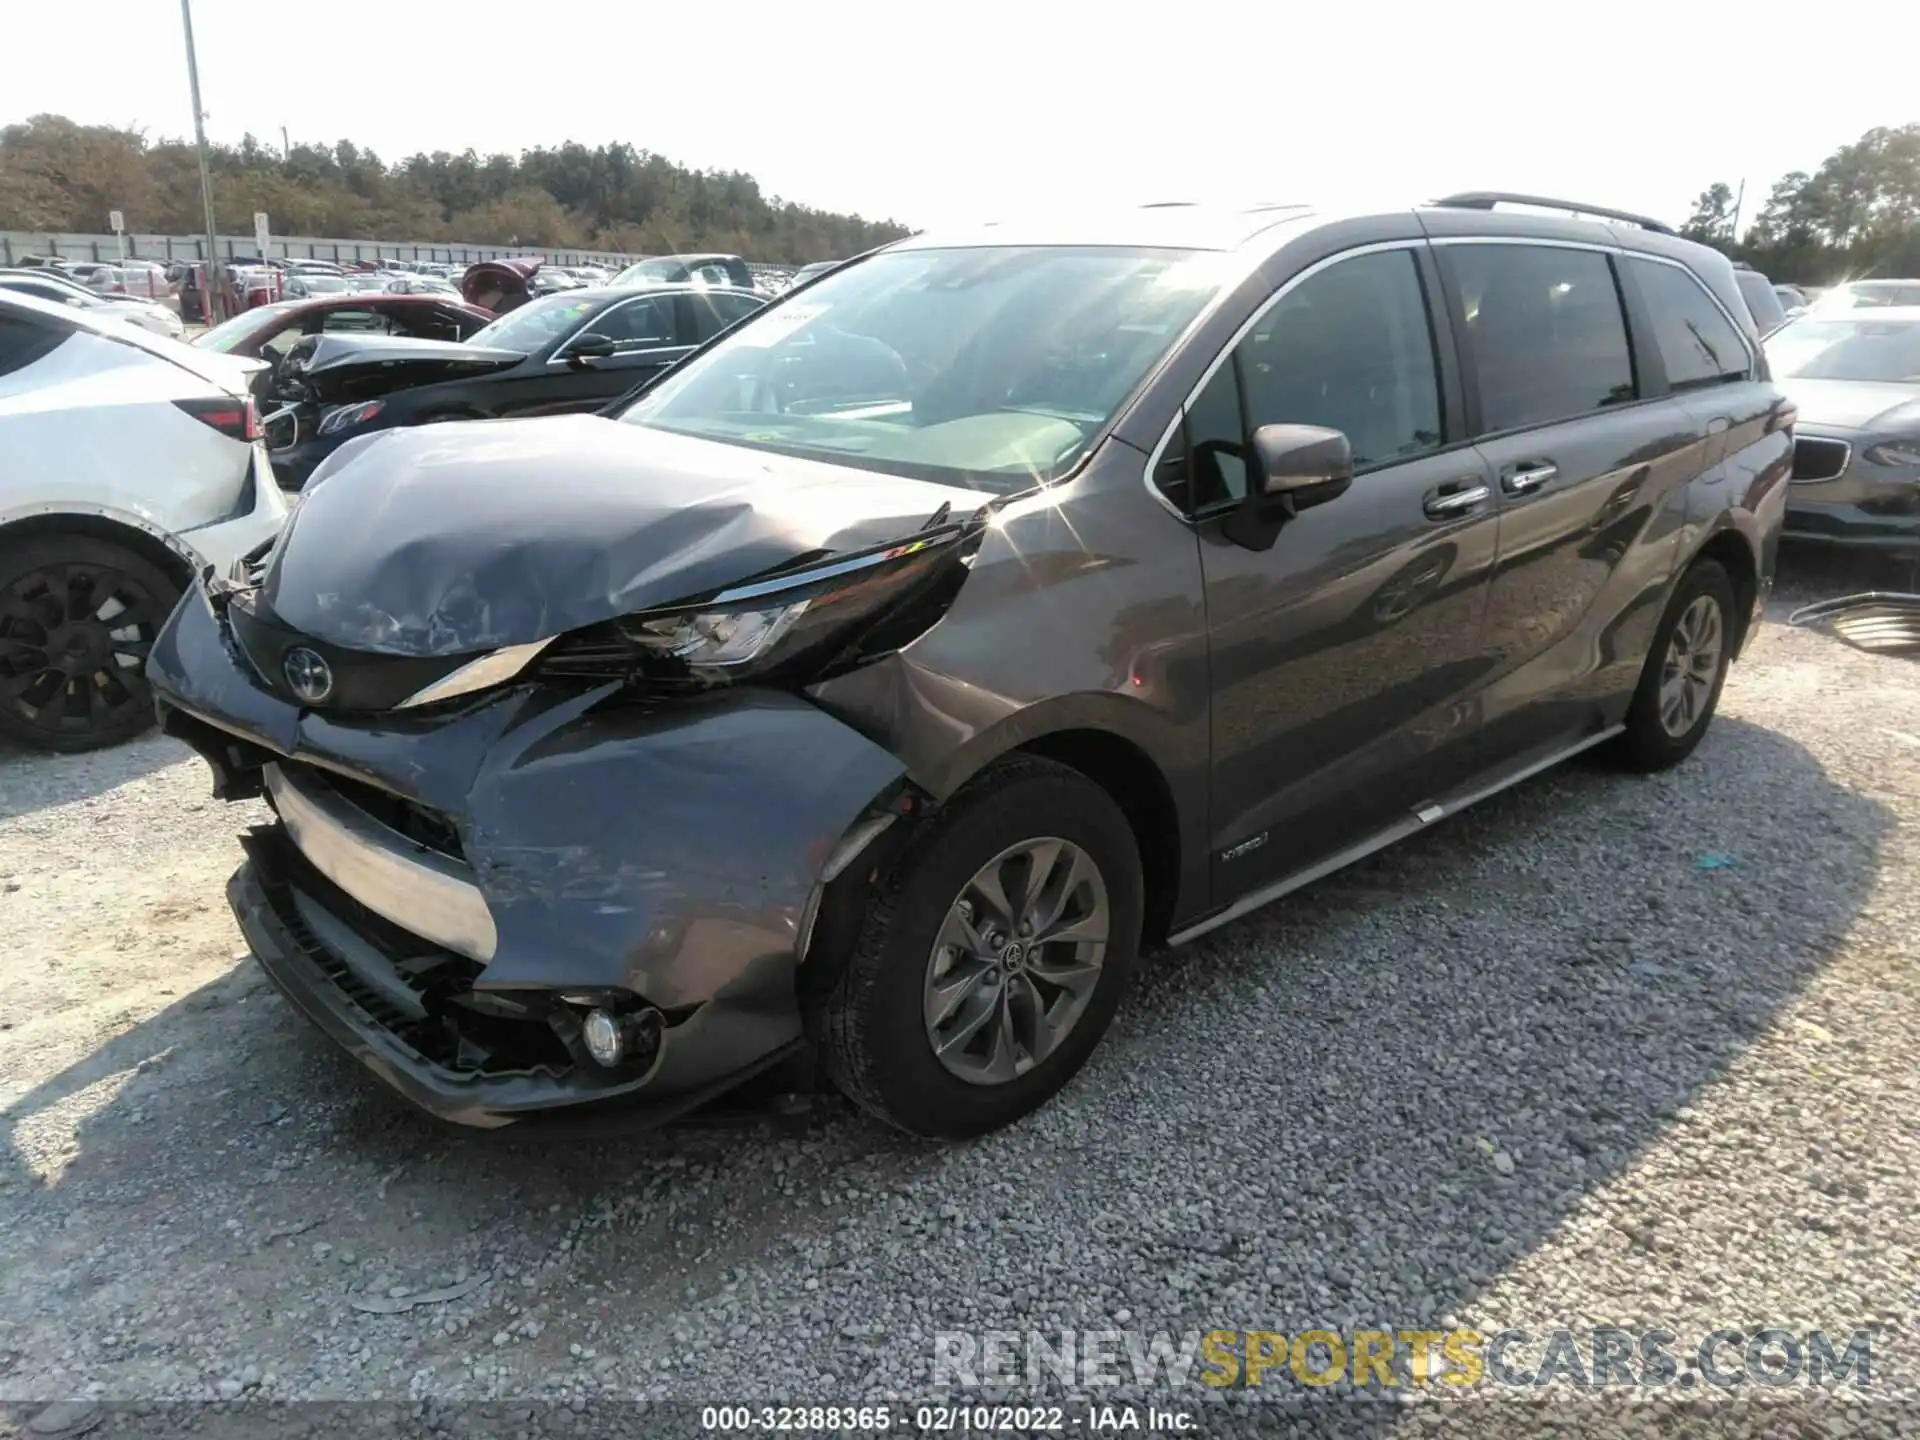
[(78, 616), (1686, 666), (992, 959)]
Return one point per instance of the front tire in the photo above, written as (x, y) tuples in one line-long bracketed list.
[(1685, 669), (992, 955), (77, 618)]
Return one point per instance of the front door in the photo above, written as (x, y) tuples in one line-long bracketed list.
[(648, 335), (1345, 657)]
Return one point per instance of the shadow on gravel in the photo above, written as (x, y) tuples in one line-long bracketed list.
[(1554, 969), (33, 780)]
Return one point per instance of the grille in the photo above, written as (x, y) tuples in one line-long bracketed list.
[(455, 1035), (1817, 459), (419, 823)]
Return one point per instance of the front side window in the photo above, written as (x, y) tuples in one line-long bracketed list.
[(1697, 343), (1544, 332), (993, 367), (1349, 348)]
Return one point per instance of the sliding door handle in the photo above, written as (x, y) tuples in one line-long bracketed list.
[(1457, 497), (1528, 478)]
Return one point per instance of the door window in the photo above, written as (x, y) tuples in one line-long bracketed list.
[(637, 325), (1350, 348), (714, 311), (1697, 343), (354, 322), (1544, 330)]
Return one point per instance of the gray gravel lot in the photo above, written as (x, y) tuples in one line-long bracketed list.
[(1538, 1068)]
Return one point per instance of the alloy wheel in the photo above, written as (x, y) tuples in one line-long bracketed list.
[(74, 640), (1016, 961), (1691, 666)]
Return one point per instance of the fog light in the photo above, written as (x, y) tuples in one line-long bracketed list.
[(605, 1035)]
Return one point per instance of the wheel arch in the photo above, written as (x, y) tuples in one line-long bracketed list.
[(1127, 773), (1733, 552), (176, 559)]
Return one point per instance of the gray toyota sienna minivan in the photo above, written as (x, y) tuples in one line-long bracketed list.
[(866, 695)]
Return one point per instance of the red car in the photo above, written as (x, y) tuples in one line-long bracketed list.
[(269, 331)]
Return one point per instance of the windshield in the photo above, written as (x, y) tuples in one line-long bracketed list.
[(649, 272), (320, 284), (989, 367), (229, 333), (535, 325), (1863, 349)]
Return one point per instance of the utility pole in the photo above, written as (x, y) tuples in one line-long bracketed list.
[(286, 145), (1739, 201), (213, 306)]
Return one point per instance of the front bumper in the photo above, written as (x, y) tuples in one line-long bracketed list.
[(1865, 506), (531, 845)]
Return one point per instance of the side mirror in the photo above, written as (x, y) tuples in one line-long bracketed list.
[(1294, 468), (590, 347)]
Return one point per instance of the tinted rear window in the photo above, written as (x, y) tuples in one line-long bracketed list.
[(1761, 300), (1544, 331), (1697, 343)]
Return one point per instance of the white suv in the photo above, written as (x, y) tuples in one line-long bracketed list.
[(128, 463)]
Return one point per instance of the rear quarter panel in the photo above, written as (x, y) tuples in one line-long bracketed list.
[(93, 426)]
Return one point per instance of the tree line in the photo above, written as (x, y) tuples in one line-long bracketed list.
[(1858, 215), (60, 176)]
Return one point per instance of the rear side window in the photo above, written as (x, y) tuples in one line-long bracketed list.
[(715, 311), (638, 324), (355, 322), (1762, 303), (1545, 335), (1697, 343), (25, 339)]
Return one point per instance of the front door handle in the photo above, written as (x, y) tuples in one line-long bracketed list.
[(1456, 497), (1525, 479)]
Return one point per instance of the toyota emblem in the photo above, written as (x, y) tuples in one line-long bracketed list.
[(308, 675)]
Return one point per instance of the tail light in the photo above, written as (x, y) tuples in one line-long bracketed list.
[(234, 417)]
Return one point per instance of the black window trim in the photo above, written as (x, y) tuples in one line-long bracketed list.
[(556, 358), (1638, 308), (1643, 377), (1448, 371), (1650, 377)]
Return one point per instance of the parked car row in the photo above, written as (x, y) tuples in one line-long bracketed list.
[(56, 288)]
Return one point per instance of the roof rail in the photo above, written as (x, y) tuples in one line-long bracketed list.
[(1487, 199)]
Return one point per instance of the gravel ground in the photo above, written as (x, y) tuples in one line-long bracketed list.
[(1605, 1050)]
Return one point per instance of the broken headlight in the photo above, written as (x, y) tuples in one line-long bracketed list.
[(811, 619)]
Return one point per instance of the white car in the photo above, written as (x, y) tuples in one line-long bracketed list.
[(128, 463), (47, 285)]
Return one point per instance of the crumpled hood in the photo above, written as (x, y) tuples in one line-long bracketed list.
[(1855, 405), (447, 539), (335, 367)]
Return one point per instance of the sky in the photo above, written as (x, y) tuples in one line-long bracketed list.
[(939, 113)]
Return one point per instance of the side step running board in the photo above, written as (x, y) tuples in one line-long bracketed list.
[(1419, 820)]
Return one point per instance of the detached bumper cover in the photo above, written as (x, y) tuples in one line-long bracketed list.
[(668, 854)]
